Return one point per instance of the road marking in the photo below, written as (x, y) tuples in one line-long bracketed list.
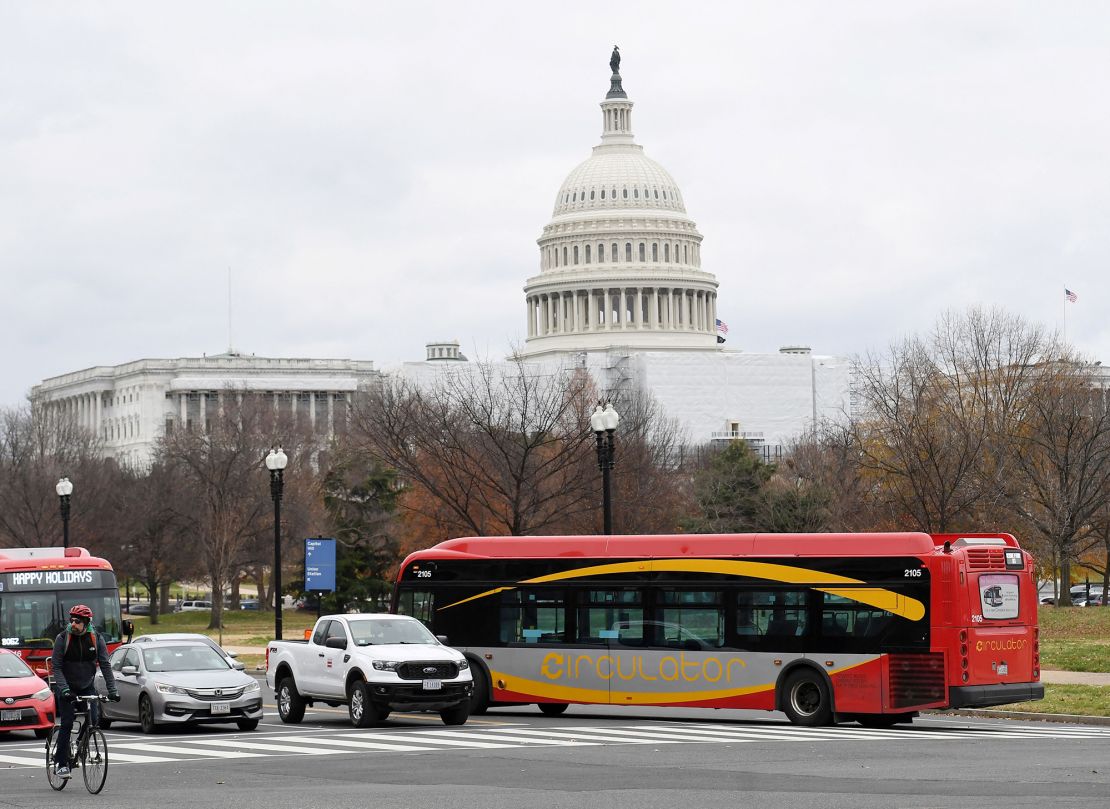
[(182, 750), (277, 748), (420, 736)]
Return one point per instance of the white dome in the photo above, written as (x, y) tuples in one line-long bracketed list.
[(618, 177)]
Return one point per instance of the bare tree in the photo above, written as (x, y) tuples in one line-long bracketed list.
[(484, 449), (936, 411), (37, 446)]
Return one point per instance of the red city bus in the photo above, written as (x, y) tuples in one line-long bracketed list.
[(38, 586), (824, 627)]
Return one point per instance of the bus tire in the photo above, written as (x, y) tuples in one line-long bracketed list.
[(479, 693), (553, 708), (290, 703), (806, 699)]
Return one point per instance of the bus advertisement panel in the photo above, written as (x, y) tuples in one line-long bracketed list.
[(38, 586), (824, 627)]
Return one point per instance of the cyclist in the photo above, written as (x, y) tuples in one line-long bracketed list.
[(78, 650)]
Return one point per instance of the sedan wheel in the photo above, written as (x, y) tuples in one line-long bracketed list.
[(146, 715)]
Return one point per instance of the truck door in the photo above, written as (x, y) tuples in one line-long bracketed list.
[(314, 670), (335, 661)]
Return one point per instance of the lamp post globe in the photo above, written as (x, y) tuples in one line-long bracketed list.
[(64, 488), (604, 421), (276, 462)]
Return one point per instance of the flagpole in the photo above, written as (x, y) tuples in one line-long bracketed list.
[(1065, 316)]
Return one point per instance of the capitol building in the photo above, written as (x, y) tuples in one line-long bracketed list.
[(620, 292)]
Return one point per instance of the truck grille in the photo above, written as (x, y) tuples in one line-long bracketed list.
[(915, 679), (428, 671)]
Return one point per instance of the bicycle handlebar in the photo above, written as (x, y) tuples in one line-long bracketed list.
[(93, 698)]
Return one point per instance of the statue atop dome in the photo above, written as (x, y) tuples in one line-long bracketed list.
[(615, 89)]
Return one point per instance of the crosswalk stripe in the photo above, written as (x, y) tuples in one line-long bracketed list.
[(409, 737), (600, 736), (159, 748), (26, 761), (366, 745), (131, 758), (277, 748), (491, 735)]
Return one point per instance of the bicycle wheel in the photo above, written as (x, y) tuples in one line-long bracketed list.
[(94, 760), (55, 782)]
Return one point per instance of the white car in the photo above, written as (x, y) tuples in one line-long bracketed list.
[(194, 606)]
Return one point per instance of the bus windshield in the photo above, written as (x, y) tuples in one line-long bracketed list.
[(33, 618)]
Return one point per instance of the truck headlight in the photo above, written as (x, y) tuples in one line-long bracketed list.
[(386, 665), (166, 688), (42, 696), (463, 664)]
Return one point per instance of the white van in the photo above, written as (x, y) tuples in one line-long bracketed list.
[(194, 606)]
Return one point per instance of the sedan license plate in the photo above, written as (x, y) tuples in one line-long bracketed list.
[(221, 707), (10, 716), (433, 685)]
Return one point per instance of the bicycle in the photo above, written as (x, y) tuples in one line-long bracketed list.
[(88, 749)]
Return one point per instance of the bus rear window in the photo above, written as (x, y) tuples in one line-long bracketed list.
[(998, 596)]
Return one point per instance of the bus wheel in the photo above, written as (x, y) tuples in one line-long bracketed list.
[(883, 720), (552, 708), (479, 694), (807, 698)]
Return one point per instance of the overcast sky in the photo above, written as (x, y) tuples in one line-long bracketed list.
[(375, 175)]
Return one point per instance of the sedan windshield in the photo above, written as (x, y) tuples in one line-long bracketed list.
[(371, 632), (12, 666), (183, 658)]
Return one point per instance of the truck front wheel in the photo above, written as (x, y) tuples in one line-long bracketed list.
[(291, 704), (456, 715), (363, 712)]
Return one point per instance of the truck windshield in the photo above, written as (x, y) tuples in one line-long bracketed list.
[(372, 632)]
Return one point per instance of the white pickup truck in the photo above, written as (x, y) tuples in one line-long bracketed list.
[(373, 663)]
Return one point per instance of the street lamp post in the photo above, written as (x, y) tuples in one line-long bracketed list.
[(276, 462), (64, 490), (604, 422)]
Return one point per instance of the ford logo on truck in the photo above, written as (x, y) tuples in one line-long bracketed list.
[(430, 669)]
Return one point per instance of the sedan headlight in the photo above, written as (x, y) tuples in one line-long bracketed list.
[(386, 665), (463, 664), (254, 686), (43, 695), (166, 688)]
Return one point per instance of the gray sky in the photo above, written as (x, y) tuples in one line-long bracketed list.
[(376, 174)]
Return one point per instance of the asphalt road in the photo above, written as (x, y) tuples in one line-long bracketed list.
[(588, 757)]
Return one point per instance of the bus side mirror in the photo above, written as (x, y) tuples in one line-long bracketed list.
[(129, 629)]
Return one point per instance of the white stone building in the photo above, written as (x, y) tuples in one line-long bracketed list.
[(130, 406), (621, 290)]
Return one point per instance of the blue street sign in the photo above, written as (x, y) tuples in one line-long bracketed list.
[(319, 565)]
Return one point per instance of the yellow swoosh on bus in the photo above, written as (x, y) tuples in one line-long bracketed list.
[(879, 598), (538, 688)]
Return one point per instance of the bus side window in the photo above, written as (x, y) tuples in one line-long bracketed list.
[(418, 604)]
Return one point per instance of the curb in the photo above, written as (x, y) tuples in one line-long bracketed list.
[(986, 713)]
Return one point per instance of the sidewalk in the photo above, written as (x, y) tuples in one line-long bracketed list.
[(1074, 677)]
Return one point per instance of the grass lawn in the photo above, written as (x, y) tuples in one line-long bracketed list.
[(241, 627), (1081, 700), (1075, 638)]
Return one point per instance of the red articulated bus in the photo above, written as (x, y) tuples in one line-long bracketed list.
[(827, 628), (38, 586)]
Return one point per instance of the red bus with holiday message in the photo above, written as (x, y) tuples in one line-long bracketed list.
[(825, 627), (38, 586)]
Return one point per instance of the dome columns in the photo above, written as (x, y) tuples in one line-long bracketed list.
[(621, 308)]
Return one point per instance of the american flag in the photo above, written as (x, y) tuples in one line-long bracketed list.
[(722, 327), (1071, 296)]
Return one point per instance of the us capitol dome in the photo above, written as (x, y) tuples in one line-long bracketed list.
[(620, 260)]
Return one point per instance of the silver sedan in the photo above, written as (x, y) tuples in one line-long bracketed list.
[(176, 683)]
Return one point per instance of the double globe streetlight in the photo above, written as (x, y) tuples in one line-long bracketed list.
[(276, 462), (603, 422), (64, 490)]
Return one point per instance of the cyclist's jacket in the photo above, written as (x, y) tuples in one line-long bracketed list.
[(75, 660)]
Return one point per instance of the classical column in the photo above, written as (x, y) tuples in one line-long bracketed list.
[(184, 407), (653, 314), (637, 308), (203, 412), (312, 410), (608, 309), (577, 312), (331, 414)]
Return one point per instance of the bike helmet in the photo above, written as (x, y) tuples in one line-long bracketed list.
[(81, 611)]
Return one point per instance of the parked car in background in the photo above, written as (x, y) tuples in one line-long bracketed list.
[(248, 604), (26, 701), (192, 637), (177, 683), (193, 606), (1097, 600), (137, 608)]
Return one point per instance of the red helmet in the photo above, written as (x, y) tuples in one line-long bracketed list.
[(80, 611)]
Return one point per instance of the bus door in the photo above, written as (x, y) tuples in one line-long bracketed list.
[(611, 633)]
